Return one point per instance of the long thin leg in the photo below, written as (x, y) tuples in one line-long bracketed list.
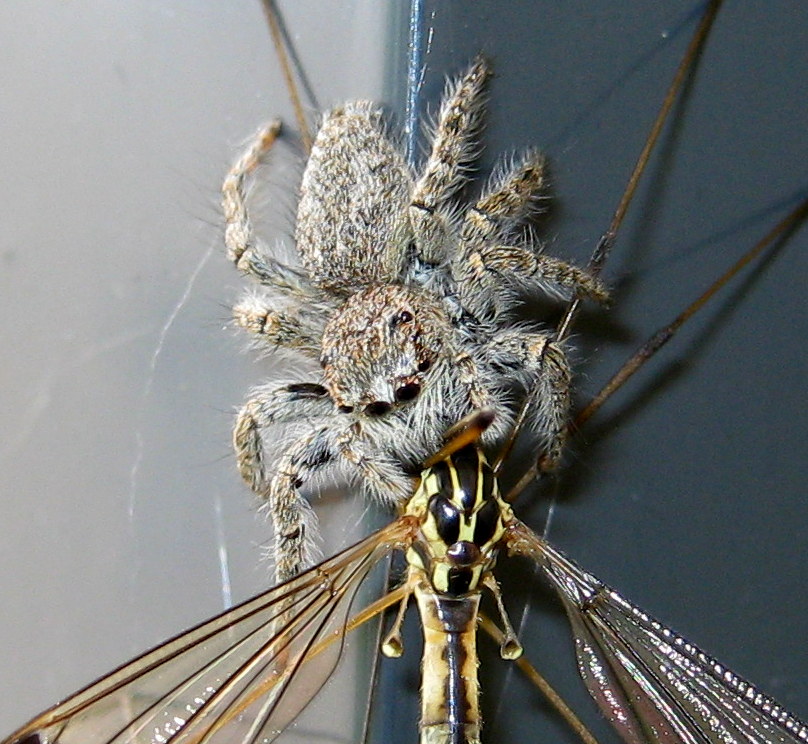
[(553, 698), (606, 242), (278, 39), (658, 339)]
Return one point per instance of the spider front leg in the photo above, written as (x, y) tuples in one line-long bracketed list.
[(539, 362), (294, 522), (273, 405)]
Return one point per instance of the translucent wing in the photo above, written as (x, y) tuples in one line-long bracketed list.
[(653, 685), (241, 677)]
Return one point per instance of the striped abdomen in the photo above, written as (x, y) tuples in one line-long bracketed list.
[(449, 689)]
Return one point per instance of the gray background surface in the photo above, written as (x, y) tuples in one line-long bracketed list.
[(118, 493)]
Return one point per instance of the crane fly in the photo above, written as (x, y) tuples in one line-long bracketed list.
[(649, 480), (244, 675)]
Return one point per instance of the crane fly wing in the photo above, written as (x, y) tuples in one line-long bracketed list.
[(652, 684), (242, 676)]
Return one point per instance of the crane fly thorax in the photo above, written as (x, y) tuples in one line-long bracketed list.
[(463, 521)]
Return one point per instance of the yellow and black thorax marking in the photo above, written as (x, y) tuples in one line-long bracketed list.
[(462, 521)]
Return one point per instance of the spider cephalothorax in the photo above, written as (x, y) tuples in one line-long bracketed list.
[(379, 346), (405, 299)]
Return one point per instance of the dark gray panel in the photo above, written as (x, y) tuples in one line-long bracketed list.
[(687, 492)]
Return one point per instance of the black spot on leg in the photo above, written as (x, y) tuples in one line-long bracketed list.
[(291, 536), (506, 366), (485, 216), (423, 207), (302, 390), (312, 458)]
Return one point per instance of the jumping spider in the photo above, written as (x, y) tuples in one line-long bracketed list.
[(405, 297)]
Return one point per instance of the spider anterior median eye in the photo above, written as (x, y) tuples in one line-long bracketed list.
[(346, 409), (405, 316), (408, 392), (424, 366), (377, 408)]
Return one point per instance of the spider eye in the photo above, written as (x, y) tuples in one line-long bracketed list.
[(345, 409), (424, 366), (377, 408), (405, 316), (408, 392)]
